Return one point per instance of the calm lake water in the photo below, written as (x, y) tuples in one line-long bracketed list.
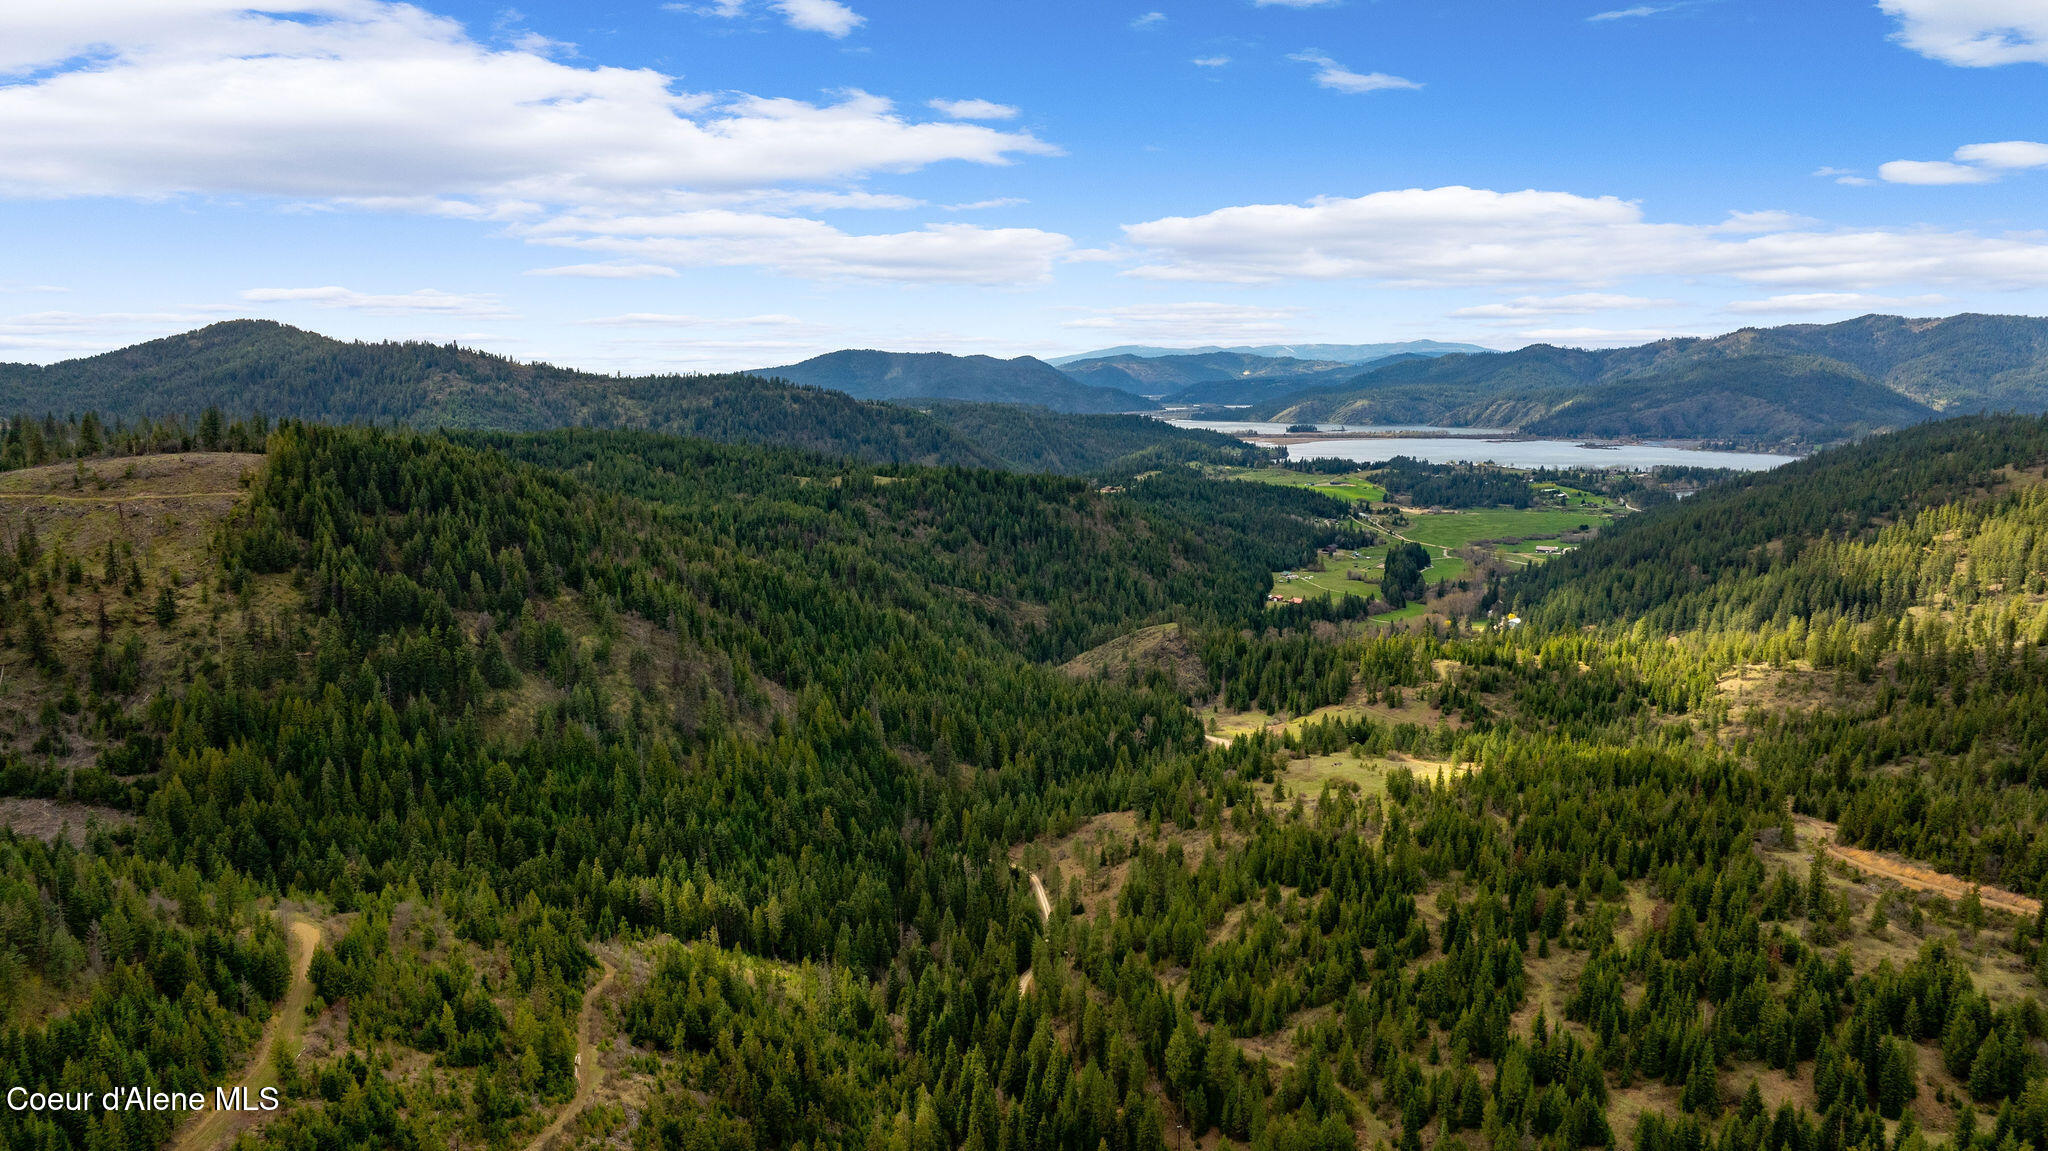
[(1437, 445), (1532, 453), (1260, 428)]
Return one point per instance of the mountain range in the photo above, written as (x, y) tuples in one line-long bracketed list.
[(1342, 353), (251, 366), (1791, 387), (1172, 376), (1798, 385), (872, 375)]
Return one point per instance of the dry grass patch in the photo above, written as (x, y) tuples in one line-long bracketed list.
[(47, 819)]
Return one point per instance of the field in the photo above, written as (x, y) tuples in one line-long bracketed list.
[(1560, 510), (1444, 534), (1452, 530), (1351, 487)]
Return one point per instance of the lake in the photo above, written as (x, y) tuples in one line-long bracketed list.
[(1532, 453), (1261, 428)]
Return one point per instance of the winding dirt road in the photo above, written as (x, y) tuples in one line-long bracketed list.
[(1044, 913), (1908, 874), (212, 1128), (589, 1072)]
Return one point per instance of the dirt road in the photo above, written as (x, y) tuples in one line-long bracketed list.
[(1044, 913), (1908, 874), (212, 1128), (589, 1072)]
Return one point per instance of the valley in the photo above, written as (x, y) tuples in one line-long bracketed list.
[(597, 788)]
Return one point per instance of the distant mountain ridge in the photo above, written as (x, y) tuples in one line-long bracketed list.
[(1167, 375), (1799, 385), (250, 366), (245, 366), (1343, 353), (867, 374)]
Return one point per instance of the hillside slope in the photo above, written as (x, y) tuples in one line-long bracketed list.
[(1166, 375), (248, 366), (1797, 385), (872, 375)]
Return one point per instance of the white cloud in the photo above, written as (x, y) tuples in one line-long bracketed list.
[(681, 320), (1847, 176), (1973, 33), (936, 253), (1604, 337), (1973, 164), (1461, 236), (1830, 302), (1194, 320), (613, 271), (1933, 172), (381, 106), (973, 109), (1337, 77), (2005, 154), (365, 98), (425, 300), (984, 205), (1578, 303), (47, 336), (1636, 12), (1210, 61), (828, 16), (1148, 20)]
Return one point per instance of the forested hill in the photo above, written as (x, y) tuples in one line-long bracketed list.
[(602, 789), (873, 375), (1757, 548), (1166, 375), (1040, 440), (1797, 385), (247, 366)]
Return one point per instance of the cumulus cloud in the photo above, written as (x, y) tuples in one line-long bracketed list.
[(2005, 154), (974, 109), (1830, 302), (46, 336), (684, 320), (1210, 61), (424, 301), (1193, 320), (612, 271), (383, 106), (1973, 164), (985, 205), (1604, 337), (1973, 33), (828, 16), (1148, 20), (1337, 77), (936, 253), (1933, 172), (1577, 303), (1463, 236)]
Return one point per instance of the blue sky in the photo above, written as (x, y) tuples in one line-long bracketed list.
[(737, 183)]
